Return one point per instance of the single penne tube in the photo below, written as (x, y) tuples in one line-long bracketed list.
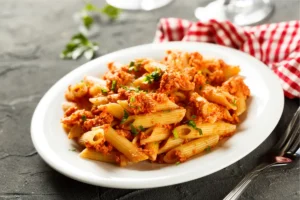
[(67, 105), (206, 129), (115, 109), (94, 155), (123, 145), (152, 150), (92, 137), (153, 65), (75, 132), (98, 100), (240, 104), (151, 119), (95, 80), (124, 104), (123, 161), (158, 134), (170, 144), (218, 96), (168, 105), (180, 96), (190, 149)]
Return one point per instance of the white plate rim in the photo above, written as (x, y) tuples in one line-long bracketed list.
[(50, 157)]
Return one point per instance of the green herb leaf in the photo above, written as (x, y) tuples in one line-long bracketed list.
[(83, 117), (141, 128), (132, 99), (133, 130), (112, 12), (207, 149), (234, 102), (125, 117), (87, 20), (104, 90), (113, 85), (194, 116), (193, 124), (154, 76), (131, 64), (177, 163), (90, 7), (175, 133), (77, 46)]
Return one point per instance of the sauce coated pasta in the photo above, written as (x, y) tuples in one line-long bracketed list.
[(163, 111)]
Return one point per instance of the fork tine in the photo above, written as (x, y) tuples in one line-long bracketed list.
[(296, 143), (289, 135)]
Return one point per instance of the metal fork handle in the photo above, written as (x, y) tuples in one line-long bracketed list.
[(243, 184)]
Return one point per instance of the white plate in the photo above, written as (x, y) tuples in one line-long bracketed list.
[(264, 110)]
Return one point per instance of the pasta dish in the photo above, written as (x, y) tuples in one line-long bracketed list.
[(163, 111)]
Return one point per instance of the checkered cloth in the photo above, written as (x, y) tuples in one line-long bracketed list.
[(277, 45)]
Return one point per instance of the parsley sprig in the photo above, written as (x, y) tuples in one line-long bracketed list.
[(125, 117), (89, 8), (79, 45), (193, 124), (154, 76), (135, 130)]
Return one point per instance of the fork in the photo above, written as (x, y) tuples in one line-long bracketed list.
[(284, 152)]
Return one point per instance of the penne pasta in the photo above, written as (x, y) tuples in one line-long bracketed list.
[(94, 155), (170, 144), (67, 105), (75, 132), (151, 119), (123, 145), (156, 135), (169, 105), (92, 138), (124, 104), (207, 129), (187, 150), (151, 150), (220, 97), (99, 100), (115, 109)]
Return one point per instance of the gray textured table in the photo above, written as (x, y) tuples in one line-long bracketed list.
[(32, 33)]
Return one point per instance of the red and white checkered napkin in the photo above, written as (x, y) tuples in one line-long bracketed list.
[(277, 45)]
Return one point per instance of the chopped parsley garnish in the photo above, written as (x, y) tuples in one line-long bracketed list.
[(175, 133), (154, 76), (79, 45), (83, 117), (193, 124), (112, 12), (125, 116), (113, 85), (104, 90), (193, 116), (207, 149), (177, 163), (141, 128), (133, 130), (131, 64), (132, 99), (134, 66), (234, 102)]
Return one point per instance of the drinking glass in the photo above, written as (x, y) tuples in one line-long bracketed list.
[(240, 12), (138, 4)]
